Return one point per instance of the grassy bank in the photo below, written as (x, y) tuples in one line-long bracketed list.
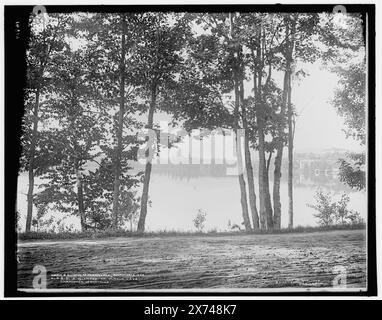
[(123, 233)]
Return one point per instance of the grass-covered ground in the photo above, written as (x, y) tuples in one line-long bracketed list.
[(214, 261), (123, 233)]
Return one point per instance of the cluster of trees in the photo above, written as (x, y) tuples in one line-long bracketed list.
[(348, 46), (350, 101), (96, 80)]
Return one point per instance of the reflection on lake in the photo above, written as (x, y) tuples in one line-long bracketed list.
[(178, 191)]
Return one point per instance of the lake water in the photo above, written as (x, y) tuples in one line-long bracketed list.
[(176, 199)]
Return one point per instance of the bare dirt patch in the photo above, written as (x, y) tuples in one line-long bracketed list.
[(303, 260)]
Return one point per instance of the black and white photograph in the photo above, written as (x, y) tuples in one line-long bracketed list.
[(190, 149)]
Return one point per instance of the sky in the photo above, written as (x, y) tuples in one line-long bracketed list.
[(318, 125)]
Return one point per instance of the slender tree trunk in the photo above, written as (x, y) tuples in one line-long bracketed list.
[(269, 162), (290, 130), (276, 188), (290, 157), (262, 213), (243, 191), (248, 165), (266, 215), (118, 154), (146, 180), (30, 199), (31, 168), (279, 156), (80, 198), (264, 178), (268, 203), (251, 185), (262, 191)]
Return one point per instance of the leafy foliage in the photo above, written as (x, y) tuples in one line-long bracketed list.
[(349, 100), (330, 212), (200, 219), (352, 171), (343, 37)]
